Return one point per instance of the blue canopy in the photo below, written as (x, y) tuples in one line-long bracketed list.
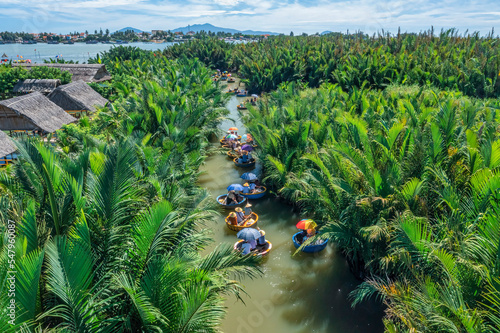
[(235, 187), (248, 176), (248, 234)]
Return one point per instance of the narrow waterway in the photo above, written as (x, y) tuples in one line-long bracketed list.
[(297, 294)]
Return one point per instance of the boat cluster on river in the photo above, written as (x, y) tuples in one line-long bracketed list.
[(252, 239)]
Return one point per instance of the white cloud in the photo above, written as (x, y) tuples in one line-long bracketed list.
[(227, 2), (279, 16)]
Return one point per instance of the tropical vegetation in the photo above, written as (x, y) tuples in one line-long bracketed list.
[(390, 142), (469, 63), (405, 182), (110, 222), (9, 76)]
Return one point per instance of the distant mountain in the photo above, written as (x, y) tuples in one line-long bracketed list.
[(129, 28), (326, 32), (208, 27)]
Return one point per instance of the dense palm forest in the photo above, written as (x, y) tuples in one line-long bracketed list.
[(109, 221), (405, 182), (392, 144), (470, 64)]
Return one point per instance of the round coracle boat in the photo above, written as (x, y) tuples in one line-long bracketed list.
[(253, 216), (312, 248), (222, 198), (223, 141), (256, 195), (244, 165), (260, 250)]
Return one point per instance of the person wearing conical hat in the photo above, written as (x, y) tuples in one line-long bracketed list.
[(232, 218), (248, 210), (262, 239), (246, 188), (240, 216), (244, 158)]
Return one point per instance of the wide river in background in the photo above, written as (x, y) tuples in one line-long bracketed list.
[(297, 294), (80, 52)]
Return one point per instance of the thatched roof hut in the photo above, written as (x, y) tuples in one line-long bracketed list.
[(7, 146), (31, 85), (77, 96), (84, 72), (32, 112)]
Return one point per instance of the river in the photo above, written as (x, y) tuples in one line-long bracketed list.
[(80, 52), (296, 294)]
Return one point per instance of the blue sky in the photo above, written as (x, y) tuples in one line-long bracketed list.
[(271, 15)]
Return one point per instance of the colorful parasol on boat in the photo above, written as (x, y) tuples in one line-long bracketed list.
[(233, 128), (306, 224), (231, 137)]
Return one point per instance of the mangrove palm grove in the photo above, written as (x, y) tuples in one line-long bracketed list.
[(391, 143)]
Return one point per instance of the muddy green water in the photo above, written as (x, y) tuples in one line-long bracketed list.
[(297, 294)]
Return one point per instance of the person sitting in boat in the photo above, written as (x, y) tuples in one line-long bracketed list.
[(233, 144), (301, 236), (246, 248), (243, 158), (250, 187), (232, 219), (240, 216), (231, 198), (249, 139), (250, 157), (255, 188), (309, 233), (248, 210), (246, 188), (253, 244), (262, 239)]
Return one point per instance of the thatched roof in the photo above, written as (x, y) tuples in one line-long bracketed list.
[(6, 145), (32, 85), (77, 96), (84, 72), (32, 112)]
